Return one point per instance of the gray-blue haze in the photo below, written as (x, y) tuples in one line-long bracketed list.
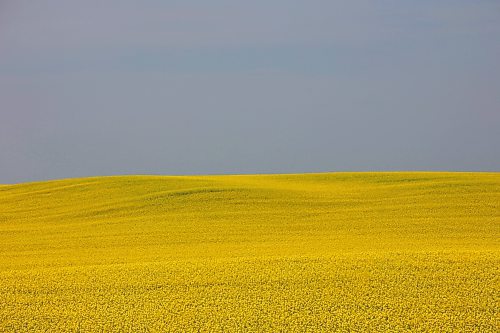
[(278, 86)]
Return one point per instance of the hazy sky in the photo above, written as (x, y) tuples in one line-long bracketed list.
[(101, 87)]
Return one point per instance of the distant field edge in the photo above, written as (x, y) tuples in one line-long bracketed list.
[(276, 174)]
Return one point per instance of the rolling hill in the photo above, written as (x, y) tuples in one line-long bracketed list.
[(399, 251)]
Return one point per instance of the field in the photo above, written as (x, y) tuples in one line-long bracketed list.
[(268, 253)]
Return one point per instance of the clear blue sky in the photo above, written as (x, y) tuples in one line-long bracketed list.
[(196, 87)]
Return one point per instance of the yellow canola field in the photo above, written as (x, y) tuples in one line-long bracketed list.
[(333, 252)]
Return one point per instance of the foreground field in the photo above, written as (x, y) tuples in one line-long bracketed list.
[(320, 252)]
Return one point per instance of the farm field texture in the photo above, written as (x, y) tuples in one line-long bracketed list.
[(257, 253)]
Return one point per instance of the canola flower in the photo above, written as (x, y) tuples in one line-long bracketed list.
[(334, 252)]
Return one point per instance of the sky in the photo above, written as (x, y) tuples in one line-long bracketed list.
[(108, 87)]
